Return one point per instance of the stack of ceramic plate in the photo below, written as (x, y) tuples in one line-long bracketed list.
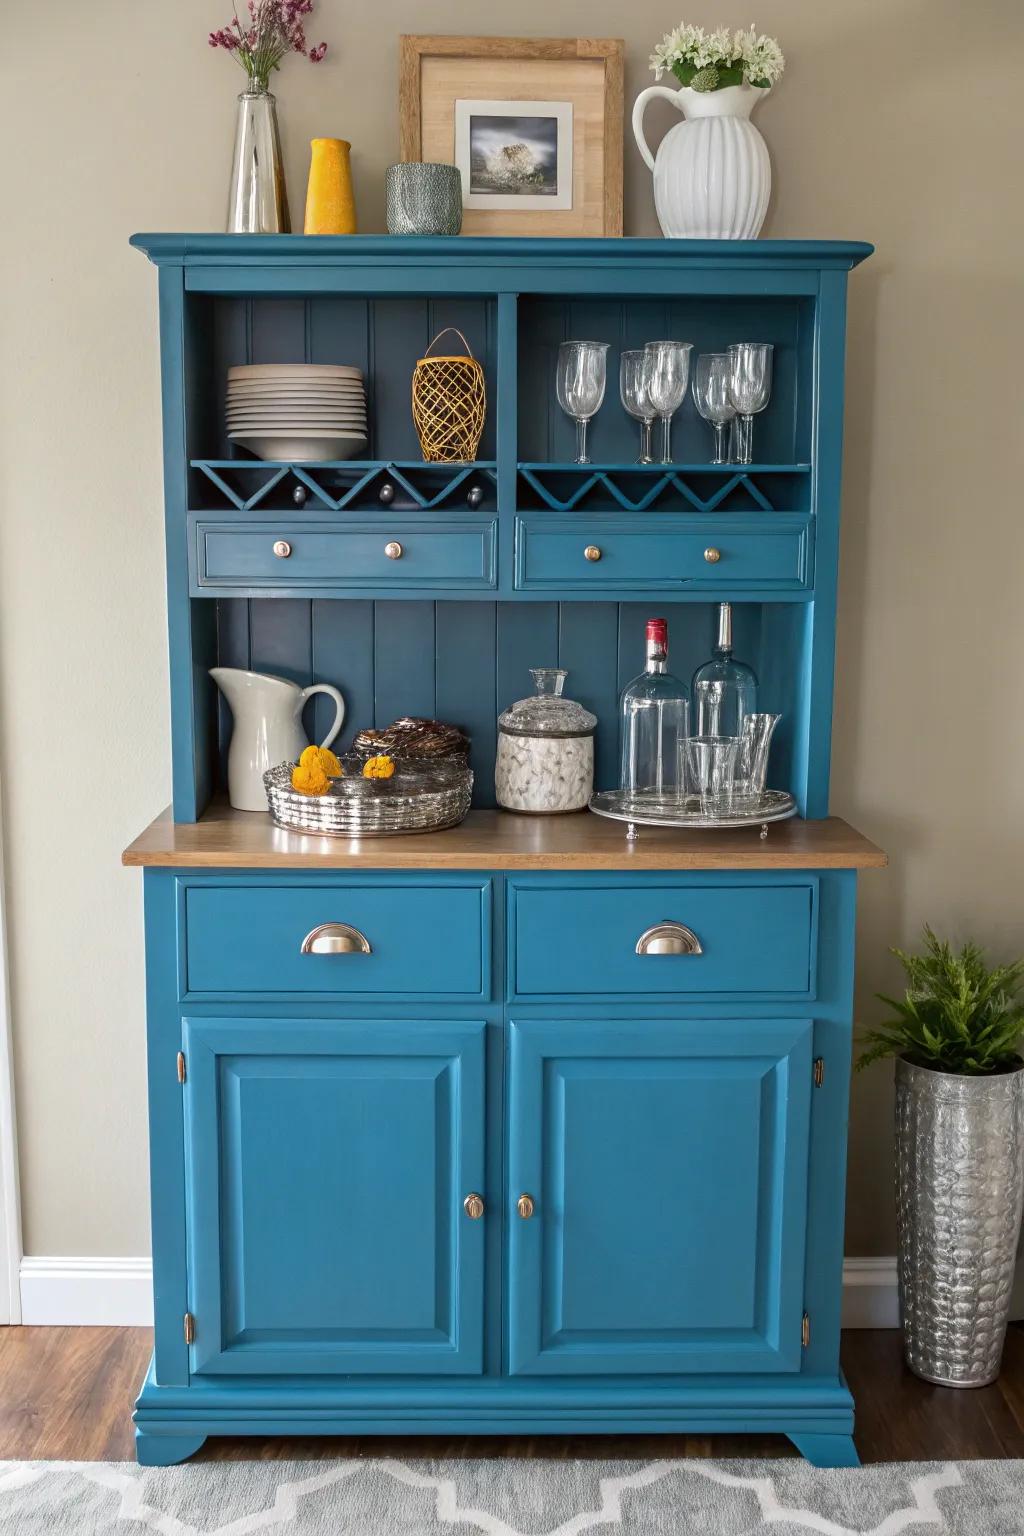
[(302, 412)]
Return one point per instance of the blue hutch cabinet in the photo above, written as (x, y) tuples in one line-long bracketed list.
[(505, 1170)]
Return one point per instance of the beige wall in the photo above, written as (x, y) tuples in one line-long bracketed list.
[(897, 122)]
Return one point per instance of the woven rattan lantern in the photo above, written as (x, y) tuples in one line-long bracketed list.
[(449, 403)]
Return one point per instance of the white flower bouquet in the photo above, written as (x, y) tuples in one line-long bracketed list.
[(710, 61)]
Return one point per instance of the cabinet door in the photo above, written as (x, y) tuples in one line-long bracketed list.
[(667, 1163), (328, 1162)]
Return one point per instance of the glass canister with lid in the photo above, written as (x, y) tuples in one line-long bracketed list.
[(545, 760)]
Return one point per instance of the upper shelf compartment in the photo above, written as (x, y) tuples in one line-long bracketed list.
[(381, 336), (782, 432)]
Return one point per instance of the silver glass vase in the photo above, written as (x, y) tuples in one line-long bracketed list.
[(959, 1192), (257, 198)]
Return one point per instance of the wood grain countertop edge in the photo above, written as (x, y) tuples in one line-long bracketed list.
[(498, 841)]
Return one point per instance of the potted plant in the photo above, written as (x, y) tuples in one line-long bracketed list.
[(712, 175), (955, 1035)]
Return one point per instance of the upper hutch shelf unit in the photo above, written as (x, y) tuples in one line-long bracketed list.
[(677, 538), (507, 1165)]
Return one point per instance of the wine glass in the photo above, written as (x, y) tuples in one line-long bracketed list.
[(750, 386), (712, 398), (667, 370), (635, 399), (579, 385)]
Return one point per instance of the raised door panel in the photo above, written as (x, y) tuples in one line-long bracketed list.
[(328, 1162), (667, 1163)]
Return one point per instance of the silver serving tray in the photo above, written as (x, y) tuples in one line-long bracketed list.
[(650, 811)]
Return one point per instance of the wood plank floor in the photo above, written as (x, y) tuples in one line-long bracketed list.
[(66, 1394)]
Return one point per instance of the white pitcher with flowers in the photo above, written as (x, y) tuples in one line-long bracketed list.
[(712, 175)]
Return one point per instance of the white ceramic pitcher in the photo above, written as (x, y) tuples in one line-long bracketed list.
[(267, 729), (712, 175)]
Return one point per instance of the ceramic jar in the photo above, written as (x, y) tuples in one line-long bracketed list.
[(545, 762), (330, 202), (712, 175)]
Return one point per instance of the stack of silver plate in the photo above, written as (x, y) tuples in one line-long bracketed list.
[(423, 795)]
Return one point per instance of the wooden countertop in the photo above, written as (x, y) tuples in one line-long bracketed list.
[(496, 840)]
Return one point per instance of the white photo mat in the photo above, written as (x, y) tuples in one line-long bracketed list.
[(556, 113)]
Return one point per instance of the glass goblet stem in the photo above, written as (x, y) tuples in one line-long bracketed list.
[(720, 454), (666, 439), (646, 457), (744, 439), (581, 440)]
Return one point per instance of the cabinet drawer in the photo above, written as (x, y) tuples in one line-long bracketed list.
[(423, 939), (645, 553), (346, 556), (750, 939)]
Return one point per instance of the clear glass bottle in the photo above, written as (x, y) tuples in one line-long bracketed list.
[(724, 689), (654, 715)]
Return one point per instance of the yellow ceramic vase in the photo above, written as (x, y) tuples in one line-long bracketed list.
[(330, 205)]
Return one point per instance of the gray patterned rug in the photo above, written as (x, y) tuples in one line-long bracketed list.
[(510, 1498)]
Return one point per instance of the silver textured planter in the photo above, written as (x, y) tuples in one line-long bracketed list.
[(959, 1192)]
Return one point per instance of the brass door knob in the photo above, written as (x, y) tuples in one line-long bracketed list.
[(282, 549), (712, 555), (473, 1206), (524, 1205), (393, 550), (592, 552)]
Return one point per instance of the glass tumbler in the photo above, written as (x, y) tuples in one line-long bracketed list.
[(752, 763), (750, 388), (711, 771), (579, 385)]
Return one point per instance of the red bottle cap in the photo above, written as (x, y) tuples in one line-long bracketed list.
[(657, 632)]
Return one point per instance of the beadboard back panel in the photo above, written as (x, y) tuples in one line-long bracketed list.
[(467, 661)]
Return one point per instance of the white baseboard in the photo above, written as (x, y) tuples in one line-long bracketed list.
[(117, 1292), (100, 1292), (870, 1293)]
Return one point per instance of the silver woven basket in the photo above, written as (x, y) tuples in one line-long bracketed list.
[(423, 795)]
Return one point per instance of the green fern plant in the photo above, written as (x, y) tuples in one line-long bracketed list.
[(956, 1014)]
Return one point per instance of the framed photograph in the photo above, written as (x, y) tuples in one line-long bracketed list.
[(514, 154), (534, 125)]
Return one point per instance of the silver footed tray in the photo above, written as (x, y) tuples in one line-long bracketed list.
[(659, 811)]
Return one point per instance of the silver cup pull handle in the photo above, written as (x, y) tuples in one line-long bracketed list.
[(335, 939), (669, 938)]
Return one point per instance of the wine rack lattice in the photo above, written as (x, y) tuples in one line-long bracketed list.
[(639, 488), (334, 486)]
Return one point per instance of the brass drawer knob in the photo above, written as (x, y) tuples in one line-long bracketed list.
[(592, 552), (524, 1205), (393, 550), (712, 555), (282, 549), (473, 1206)]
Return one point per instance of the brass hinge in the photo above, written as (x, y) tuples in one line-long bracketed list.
[(181, 1066), (190, 1328), (819, 1071), (805, 1329)]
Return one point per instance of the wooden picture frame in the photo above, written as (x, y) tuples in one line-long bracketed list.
[(575, 79)]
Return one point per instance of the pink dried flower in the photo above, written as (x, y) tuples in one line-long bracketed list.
[(276, 28)]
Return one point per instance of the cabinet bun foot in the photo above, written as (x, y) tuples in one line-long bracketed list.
[(155, 1450), (827, 1450)]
